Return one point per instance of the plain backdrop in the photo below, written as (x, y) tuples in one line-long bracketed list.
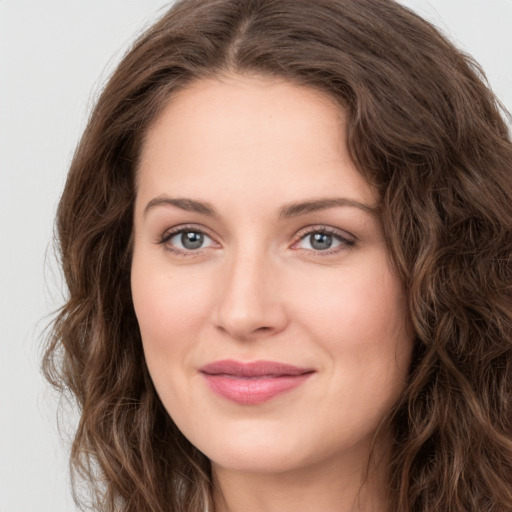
[(54, 58)]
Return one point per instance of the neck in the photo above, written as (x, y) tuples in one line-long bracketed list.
[(330, 486)]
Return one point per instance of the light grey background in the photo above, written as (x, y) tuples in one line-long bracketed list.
[(54, 58)]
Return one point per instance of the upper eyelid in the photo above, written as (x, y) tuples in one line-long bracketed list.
[(170, 232), (319, 228)]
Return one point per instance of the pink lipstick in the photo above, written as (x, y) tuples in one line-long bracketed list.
[(255, 382)]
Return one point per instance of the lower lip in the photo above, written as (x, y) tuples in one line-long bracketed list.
[(254, 390)]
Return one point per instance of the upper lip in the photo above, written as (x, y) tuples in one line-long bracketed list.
[(253, 369)]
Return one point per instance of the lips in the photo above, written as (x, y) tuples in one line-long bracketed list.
[(254, 382)]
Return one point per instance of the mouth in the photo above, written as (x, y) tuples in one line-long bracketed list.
[(254, 382)]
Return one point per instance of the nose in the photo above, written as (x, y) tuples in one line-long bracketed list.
[(251, 304)]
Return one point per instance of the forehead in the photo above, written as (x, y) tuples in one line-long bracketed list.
[(250, 133)]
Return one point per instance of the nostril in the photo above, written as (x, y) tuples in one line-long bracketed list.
[(263, 329)]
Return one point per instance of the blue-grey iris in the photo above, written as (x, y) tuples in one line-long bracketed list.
[(192, 239), (320, 241)]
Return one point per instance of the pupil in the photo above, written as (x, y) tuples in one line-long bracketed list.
[(321, 241), (192, 240)]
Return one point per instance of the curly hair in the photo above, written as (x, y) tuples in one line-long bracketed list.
[(423, 128)]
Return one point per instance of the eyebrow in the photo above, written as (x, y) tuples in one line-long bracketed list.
[(189, 205), (288, 211), (314, 205)]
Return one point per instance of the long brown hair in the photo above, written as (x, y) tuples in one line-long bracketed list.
[(424, 129)]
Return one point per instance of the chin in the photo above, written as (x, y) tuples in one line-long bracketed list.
[(253, 461), (270, 448), (248, 449)]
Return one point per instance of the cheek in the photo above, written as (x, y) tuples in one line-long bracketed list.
[(360, 321), (169, 313), (170, 309), (351, 304)]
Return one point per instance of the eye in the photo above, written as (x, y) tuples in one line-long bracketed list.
[(323, 240), (187, 240)]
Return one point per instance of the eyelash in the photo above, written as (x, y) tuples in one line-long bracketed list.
[(345, 243), (168, 235)]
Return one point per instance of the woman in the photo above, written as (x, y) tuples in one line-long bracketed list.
[(287, 238)]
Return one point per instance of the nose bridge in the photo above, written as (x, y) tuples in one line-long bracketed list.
[(250, 303)]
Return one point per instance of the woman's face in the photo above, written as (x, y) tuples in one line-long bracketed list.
[(274, 327)]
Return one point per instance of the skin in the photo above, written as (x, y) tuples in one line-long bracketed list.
[(258, 288)]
